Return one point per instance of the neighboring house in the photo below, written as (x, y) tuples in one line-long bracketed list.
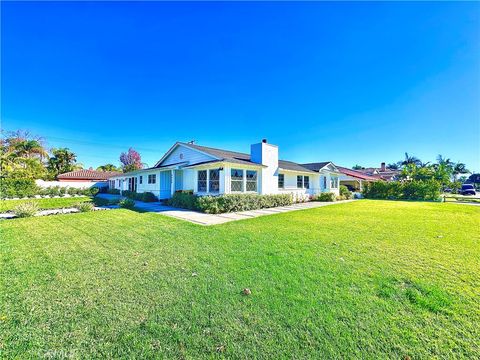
[(210, 171), (354, 179), (81, 178), (382, 172)]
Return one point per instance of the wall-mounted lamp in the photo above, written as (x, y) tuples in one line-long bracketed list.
[(220, 168)]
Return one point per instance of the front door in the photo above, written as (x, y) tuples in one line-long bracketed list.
[(178, 180), (165, 184)]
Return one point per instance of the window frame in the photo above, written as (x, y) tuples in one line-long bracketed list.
[(306, 185), (247, 181), (282, 181), (205, 188), (152, 179), (300, 181), (210, 181), (140, 179), (241, 181)]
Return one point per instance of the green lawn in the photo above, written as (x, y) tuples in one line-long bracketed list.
[(47, 203), (367, 279)]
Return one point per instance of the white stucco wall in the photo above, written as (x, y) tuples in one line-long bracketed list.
[(72, 184)]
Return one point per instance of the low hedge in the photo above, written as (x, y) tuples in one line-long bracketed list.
[(145, 196), (326, 197), (13, 188), (409, 190), (228, 203)]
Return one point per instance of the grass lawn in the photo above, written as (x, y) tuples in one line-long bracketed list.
[(369, 279), (46, 203)]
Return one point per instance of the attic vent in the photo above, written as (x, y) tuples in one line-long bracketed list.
[(264, 141)]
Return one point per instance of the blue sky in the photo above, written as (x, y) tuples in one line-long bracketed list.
[(347, 82)]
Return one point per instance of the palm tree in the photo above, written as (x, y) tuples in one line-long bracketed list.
[(424, 164), (459, 168), (393, 166), (410, 160)]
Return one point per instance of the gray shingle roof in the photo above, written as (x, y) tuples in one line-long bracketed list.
[(316, 166), (242, 158)]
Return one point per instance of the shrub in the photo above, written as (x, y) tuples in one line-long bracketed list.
[(53, 190), (93, 191), (127, 203), (326, 196), (84, 206), (146, 197), (228, 203), (345, 193), (26, 209), (17, 188), (72, 191), (98, 201), (408, 190), (62, 191), (113, 191)]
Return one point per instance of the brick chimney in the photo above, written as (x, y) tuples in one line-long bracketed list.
[(382, 167)]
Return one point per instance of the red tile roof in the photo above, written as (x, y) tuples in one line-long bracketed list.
[(358, 174), (88, 175)]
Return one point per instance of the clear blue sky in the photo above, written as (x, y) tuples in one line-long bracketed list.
[(347, 82)]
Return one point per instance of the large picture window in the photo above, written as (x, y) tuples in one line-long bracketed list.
[(251, 180), (281, 181), (214, 181), (152, 178), (334, 182), (236, 180), (202, 181)]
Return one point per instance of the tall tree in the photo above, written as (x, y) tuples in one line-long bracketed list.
[(409, 160), (357, 167), (459, 168), (62, 160), (108, 167), (131, 160), (393, 166)]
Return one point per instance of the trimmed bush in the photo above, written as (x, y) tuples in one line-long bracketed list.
[(408, 190), (10, 188), (93, 191), (326, 197), (84, 206), (127, 203), (228, 203), (113, 191), (26, 209), (146, 196), (98, 201), (345, 193)]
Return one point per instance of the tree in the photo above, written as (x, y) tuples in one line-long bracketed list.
[(108, 167), (22, 155), (131, 160), (358, 167), (393, 166), (409, 160), (62, 160), (459, 168)]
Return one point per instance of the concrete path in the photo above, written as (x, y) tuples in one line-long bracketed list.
[(215, 219)]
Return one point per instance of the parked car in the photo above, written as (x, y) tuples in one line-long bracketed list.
[(468, 189)]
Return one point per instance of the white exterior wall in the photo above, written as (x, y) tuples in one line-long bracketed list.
[(71, 184), (266, 154), (185, 154)]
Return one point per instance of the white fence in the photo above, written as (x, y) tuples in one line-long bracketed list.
[(72, 184)]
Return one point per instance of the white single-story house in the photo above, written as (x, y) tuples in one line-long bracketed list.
[(210, 171)]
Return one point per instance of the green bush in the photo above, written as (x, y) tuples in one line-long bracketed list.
[(228, 203), (93, 190), (26, 209), (72, 191), (113, 191), (20, 188), (408, 190), (127, 203), (345, 193), (98, 201), (326, 197), (84, 206), (146, 196)]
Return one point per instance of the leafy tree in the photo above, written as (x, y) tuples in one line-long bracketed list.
[(108, 167), (358, 167), (131, 160), (459, 168), (393, 166), (409, 160), (62, 160)]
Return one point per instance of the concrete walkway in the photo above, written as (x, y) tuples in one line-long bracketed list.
[(215, 219)]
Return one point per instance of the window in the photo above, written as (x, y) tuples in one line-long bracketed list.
[(236, 180), (324, 182), (334, 182), (202, 181), (214, 181), (306, 182), (140, 180), (281, 181), (299, 181), (251, 180), (152, 178)]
